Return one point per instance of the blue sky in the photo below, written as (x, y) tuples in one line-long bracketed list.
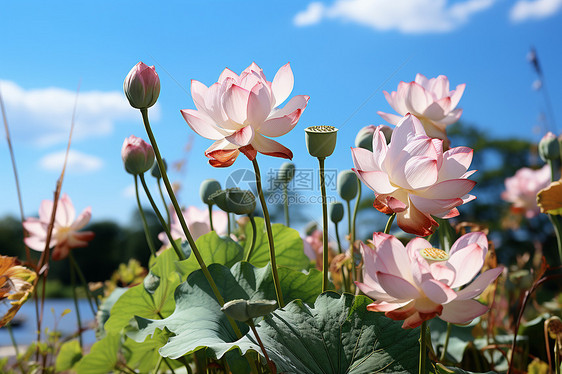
[(343, 53)]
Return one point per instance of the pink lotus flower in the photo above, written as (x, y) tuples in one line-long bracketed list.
[(417, 282), (142, 86), (198, 224), (137, 155), (238, 111), (413, 177), (65, 234), (429, 100), (522, 188)]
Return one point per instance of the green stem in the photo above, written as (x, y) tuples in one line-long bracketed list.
[(143, 218), (557, 356), (343, 268), (389, 223), (423, 348), (228, 223), (183, 224), (84, 283), (13, 339), (325, 262), (166, 228), (286, 204), (169, 219), (75, 298), (211, 216), (352, 233), (172, 370), (449, 325), (254, 236), (157, 367), (276, 282)]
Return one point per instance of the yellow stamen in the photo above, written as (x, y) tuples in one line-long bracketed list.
[(434, 254)]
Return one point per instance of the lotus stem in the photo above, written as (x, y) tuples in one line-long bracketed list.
[(352, 232), (325, 262), (446, 344), (423, 348), (168, 218), (178, 251), (343, 268), (254, 236), (270, 363), (75, 298), (143, 218), (211, 217), (84, 283), (286, 204), (276, 282)]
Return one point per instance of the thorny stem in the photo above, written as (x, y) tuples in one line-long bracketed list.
[(389, 223), (143, 219), (166, 228), (254, 236), (276, 282), (325, 262)]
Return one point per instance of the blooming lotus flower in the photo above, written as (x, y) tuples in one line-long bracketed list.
[(65, 234), (16, 285), (428, 99), (417, 282), (413, 177), (198, 224), (142, 86), (241, 111), (137, 155), (521, 190)]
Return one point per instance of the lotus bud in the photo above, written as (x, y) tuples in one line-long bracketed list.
[(208, 187), (321, 140), (310, 228), (549, 147), (151, 282), (364, 138), (142, 86), (137, 155), (244, 310), (235, 200), (347, 185), (155, 171), (286, 172), (336, 212)]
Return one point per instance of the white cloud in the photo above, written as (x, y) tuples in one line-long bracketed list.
[(406, 16), (129, 191), (525, 10), (78, 162), (43, 116)]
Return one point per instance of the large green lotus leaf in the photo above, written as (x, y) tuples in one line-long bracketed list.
[(102, 357), (213, 250), (289, 249), (145, 356), (337, 335), (198, 321), (69, 354)]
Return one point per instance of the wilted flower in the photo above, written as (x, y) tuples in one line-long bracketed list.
[(413, 177), (549, 199), (198, 223), (428, 99), (16, 285), (142, 86), (240, 112), (65, 234), (521, 189), (137, 155), (417, 282)]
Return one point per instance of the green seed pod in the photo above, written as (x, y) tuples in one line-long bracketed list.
[(207, 188), (235, 200), (549, 148), (321, 140), (286, 172), (155, 171), (347, 185), (336, 212), (151, 282), (364, 138)]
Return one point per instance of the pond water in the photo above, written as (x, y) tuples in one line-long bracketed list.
[(26, 332)]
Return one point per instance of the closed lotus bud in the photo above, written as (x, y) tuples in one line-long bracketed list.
[(347, 185), (235, 200), (137, 155), (364, 138), (336, 212), (142, 86), (155, 171), (151, 282), (321, 140), (549, 147), (286, 172), (243, 310), (208, 187)]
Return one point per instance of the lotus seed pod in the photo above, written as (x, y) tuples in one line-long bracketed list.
[(286, 172), (549, 148), (155, 171), (235, 200), (336, 212), (321, 140), (364, 138), (207, 188), (151, 282), (347, 185)]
